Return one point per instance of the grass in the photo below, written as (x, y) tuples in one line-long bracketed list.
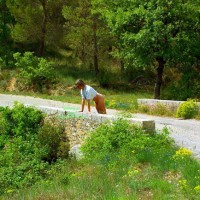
[(139, 181), (161, 110), (157, 171)]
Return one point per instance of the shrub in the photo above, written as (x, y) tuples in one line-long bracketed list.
[(188, 109), (27, 141), (144, 108), (36, 73), (107, 139), (52, 136), (20, 120), (21, 155)]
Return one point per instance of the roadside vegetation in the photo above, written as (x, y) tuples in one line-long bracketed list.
[(120, 161), (126, 50)]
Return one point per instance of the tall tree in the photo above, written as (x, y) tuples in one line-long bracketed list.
[(154, 32), (86, 34), (6, 22), (43, 26), (38, 22)]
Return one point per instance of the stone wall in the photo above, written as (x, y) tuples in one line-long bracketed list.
[(77, 129), (79, 126), (173, 105)]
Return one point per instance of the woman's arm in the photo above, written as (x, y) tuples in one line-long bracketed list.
[(88, 105), (82, 105)]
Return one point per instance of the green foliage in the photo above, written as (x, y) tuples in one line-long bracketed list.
[(153, 33), (109, 141), (131, 165), (152, 29), (188, 109), (161, 110), (26, 143), (125, 114), (52, 135), (120, 103), (21, 163), (6, 22), (81, 39), (76, 14), (38, 24), (20, 120), (21, 153), (186, 84), (5, 76), (144, 108), (105, 78), (34, 71)]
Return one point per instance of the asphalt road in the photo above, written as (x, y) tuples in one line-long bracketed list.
[(186, 133)]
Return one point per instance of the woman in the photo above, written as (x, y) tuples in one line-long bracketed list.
[(88, 94)]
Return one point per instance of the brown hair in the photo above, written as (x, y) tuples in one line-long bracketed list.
[(79, 82)]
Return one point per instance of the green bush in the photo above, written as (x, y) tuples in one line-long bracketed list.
[(119, 139), (188, 109), (20, 120), (21, 154), (27, 142), (35, 72), (186, 85), (52, 135), (144, 108)]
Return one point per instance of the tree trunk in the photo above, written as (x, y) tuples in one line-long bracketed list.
[(121, 69), (161, 64), (44, 23), (96, 62), (4, 32)]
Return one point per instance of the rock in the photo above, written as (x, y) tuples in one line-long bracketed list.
[(75, 152)]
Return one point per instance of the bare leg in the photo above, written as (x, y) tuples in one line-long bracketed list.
[(100, 105)]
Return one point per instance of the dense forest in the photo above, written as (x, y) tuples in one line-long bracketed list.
[(155, 41)]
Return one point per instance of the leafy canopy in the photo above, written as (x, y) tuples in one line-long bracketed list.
[(152, 29)]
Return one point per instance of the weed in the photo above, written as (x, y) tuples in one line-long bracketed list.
[(188, 109)]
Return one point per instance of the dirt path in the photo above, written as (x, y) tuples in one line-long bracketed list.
[(186, 133)]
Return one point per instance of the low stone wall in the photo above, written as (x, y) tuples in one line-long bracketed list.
[(173, 105), (78, 129), (146, 124), (79, 125)]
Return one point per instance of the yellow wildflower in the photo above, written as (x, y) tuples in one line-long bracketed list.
[(197, 188), (182, 153), (183, 184)]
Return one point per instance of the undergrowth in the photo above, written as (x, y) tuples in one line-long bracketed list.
[(121, 161)]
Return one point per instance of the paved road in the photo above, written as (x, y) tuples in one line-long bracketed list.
[(186, 133)]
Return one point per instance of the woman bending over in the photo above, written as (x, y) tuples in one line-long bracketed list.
[(88, 94)]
